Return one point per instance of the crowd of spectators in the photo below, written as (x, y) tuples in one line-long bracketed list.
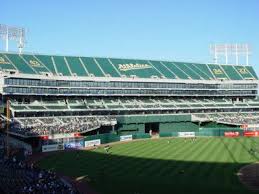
[(57, 125), (24, 178), (231, 118), (239, 119)]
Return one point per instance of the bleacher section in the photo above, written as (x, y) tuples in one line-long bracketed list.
[(110, 104), (45, 126), (238, 119), (110, 67), (20, 177)]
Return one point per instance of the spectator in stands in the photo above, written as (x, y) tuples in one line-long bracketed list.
[(19, 177)]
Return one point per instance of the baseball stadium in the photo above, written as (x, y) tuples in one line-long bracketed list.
[(119, 97), (130, 125)]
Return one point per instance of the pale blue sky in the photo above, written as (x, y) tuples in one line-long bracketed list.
[(148, 29)]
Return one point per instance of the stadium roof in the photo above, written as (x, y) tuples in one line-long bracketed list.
[(36, 64)]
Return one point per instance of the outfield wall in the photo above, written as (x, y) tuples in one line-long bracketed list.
[(109, 138), (153, 118), (177, 126), (203, 132), (139, 127), (166, 123), (95, 140)]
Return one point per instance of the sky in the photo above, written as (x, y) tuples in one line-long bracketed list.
[(175, 30)]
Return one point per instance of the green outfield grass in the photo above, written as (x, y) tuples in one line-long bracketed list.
[(207, 166)]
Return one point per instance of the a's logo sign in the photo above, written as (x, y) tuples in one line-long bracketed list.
[(217, 71), (34, 63), (131, 66), (2, 61), (242, 71)]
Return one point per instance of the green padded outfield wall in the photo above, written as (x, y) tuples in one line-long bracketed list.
[(178, 127), (132, 127), (153, 118)]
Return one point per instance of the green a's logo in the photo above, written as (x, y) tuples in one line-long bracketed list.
[(2, 61), (242, 71), (217, 71), (34, 63)]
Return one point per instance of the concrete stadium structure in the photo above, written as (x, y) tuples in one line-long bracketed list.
[(53, 95)]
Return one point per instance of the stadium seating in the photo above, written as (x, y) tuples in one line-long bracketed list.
[(76, 66), (187, 70), (92, 67), (20, 64), (237, 119), (73, 89), (110, 67), (21, 177), (131, 103), (107, 67), (231, 72), (42, 126), (61, 66), (218, 72)]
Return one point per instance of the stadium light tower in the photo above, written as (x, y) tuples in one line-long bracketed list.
[(12, 33), (226, 50)]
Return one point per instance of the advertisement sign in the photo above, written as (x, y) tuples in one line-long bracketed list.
[(53, 147), (61, 136), (74, 145), (126, 138), (92, 143), (231, 134), (251, 133), (186, 134)]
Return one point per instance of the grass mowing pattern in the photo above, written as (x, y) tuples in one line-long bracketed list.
[(156, 166)]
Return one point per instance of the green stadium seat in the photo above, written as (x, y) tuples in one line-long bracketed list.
[(188, 70), (163, 69), (231, 72), (217, 71), (111, 67), (78, 107), (20, 64), (76, 66), (180, 74), (36, 107), (5, 64), (251, 71), (92, 67), (35, 64), (107, 67), (114, 106), (61, 66), (203, 70), (19, 107), (56, 107), (247, 72), (149, 72), (47, 61)]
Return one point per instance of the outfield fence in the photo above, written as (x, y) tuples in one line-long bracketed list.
[(209, 132), (95, 140), (109, 138), (203, 132)]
